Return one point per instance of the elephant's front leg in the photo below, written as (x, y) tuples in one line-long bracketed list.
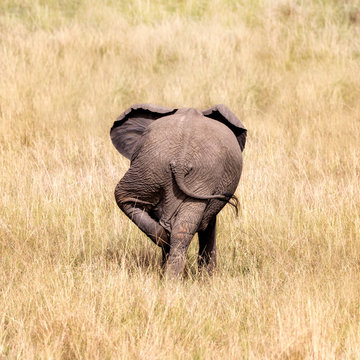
[(207, 247), (146, 224)]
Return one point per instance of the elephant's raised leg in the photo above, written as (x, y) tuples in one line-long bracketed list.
[(207, 247), (146, 224), (184, 228)]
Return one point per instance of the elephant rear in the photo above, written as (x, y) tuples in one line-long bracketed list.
[(185, 166), (197, 158)]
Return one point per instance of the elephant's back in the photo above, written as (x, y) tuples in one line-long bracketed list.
[(206, 149), (202, 146), (183, 133), (193, 138)]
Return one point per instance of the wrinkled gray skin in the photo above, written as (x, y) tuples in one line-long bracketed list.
[(185, 166)]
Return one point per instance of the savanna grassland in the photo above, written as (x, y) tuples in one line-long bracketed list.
[(78, 280)]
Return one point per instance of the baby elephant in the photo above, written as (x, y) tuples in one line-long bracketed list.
[(185, 166)]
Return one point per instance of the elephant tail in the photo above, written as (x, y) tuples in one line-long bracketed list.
[(179, 178)]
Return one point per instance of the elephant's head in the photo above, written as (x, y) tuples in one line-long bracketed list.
[(131, 124)]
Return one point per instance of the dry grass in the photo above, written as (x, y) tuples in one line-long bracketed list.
[(78, 281)]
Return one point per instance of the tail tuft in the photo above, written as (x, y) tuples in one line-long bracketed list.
[(233, 201)]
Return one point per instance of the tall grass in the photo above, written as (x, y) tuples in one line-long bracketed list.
[(78, 280)]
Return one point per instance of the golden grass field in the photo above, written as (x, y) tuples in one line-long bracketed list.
[(78, 280)]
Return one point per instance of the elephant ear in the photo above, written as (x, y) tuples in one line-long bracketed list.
[(227, 117), (131, 124)]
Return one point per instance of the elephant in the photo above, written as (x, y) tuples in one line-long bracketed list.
[(185, 165)]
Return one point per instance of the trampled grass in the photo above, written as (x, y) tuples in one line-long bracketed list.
[(78, 280)]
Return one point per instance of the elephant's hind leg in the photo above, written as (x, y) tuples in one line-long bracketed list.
[(134, 198), (183, 230), (207, 247)]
